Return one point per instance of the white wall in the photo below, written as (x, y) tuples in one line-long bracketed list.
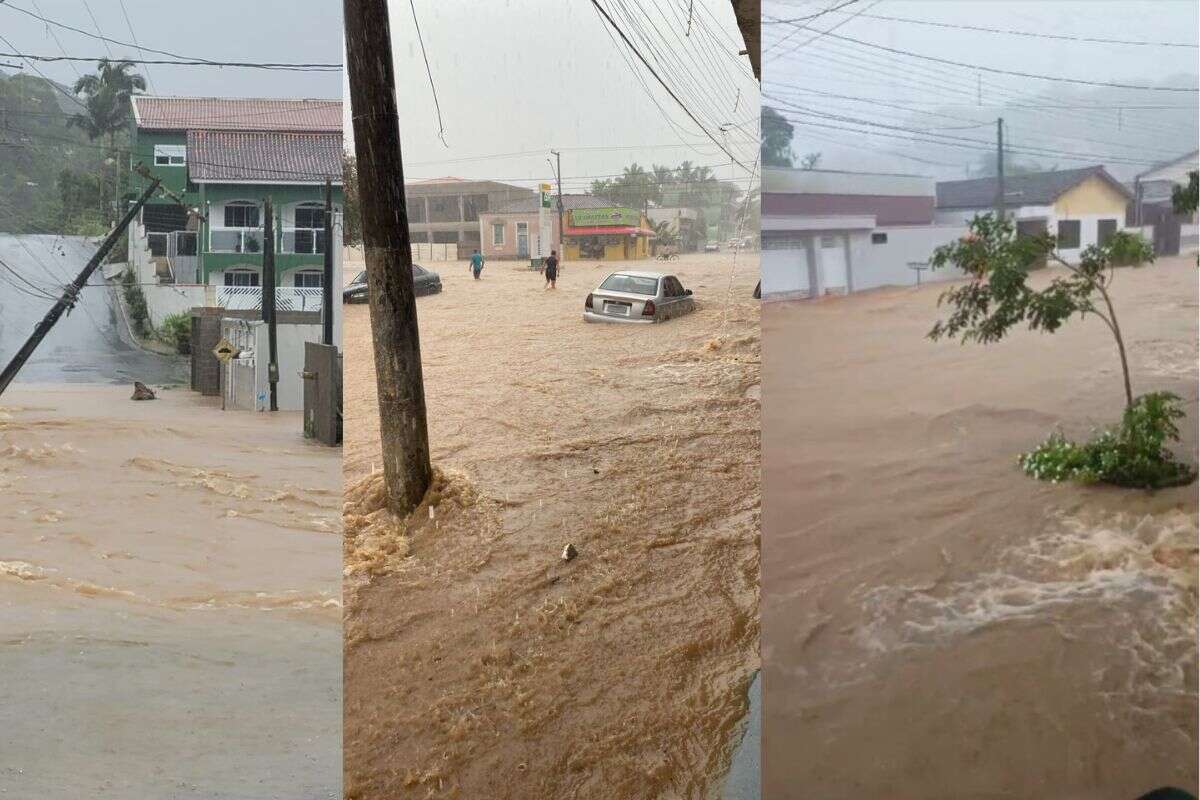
[(875, 265), (784, 272), (166, 299), (290, 339)]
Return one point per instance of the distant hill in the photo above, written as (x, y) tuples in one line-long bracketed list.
[(36, 148)]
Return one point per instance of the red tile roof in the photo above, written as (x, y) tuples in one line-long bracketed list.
[(241, 156), (242, 114)]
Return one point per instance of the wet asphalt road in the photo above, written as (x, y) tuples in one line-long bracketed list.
[(88, 345)]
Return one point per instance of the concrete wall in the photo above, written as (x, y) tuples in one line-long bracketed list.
[(508, 249), (165, 299), (887, 264)]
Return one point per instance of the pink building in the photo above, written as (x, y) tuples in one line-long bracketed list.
[(510, 231)]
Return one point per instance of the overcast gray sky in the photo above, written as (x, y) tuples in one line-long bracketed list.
[(806, 69), (220, 30), (525, 76)]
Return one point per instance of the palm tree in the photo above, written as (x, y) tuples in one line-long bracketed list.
[(106, 100)]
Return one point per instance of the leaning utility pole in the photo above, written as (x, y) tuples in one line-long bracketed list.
[(71, 293), (401, 389), (1000, 168), (327, 276), (268, 301), (558, 180)]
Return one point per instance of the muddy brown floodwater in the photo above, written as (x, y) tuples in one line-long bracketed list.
[(938, 625), (169, 599), (478, 663)]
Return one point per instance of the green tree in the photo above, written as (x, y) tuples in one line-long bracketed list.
[(998, 295), (810, 161), (776, 139), (106, 95), (1183, 198)]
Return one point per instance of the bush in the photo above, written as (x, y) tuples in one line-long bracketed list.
[(135, 302), (176, 330), (1132, 454)]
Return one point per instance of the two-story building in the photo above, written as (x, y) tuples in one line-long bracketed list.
[(223, 157), (448, 210)]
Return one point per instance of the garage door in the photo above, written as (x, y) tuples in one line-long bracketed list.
[(833, 262)]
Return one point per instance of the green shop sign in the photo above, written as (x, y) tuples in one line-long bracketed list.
[(597, 217)]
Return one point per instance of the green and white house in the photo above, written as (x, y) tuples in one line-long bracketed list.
[(222, 157)]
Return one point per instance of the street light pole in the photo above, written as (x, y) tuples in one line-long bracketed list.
[(558, 180)]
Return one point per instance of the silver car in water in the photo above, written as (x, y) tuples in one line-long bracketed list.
[(638, 297)]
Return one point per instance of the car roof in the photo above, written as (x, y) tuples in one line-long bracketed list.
[(636, 274)]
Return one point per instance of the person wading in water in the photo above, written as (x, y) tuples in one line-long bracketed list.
[(476, 264), (551, 269)]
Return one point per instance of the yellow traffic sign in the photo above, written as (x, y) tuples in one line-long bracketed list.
[(224, 350)]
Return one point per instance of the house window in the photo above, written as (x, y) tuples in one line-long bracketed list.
[(878, 238), (170, 155), (310, 215), (1105, 228), (828, 241), (241, 214), (1068, 234), (241, 277), (498, 233), (309, 233), (308, 279)]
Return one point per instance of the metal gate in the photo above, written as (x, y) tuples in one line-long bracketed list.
[(322, 393)]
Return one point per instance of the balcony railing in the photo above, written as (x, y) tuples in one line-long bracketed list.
[(287, 298), (309, 241), (235, 240)]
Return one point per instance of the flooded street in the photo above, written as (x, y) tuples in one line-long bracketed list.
[(88, 345), (935, 623), (168, 587), (478, 662)]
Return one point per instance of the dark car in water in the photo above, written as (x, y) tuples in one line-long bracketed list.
[(425, 281)]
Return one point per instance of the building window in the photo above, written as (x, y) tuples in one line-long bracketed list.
[(473, 206), (241, 214), (416, 209), (1105, 228), (498, 234), (170, 155), (309, 234), (241, 277), (878, 238), (829, 242), (308, 279), (1068, 233), (444, 209)]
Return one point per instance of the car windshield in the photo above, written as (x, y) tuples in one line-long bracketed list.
[(418, 269), (631, 284), (360, 277)]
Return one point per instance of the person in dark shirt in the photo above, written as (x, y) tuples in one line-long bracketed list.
[(551, 269)]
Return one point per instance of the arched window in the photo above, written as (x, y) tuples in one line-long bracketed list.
[(309, 231), (241, 214)]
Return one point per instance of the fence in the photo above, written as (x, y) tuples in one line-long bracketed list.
[(287, 298)]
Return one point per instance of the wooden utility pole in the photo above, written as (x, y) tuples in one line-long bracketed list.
[(388, 250), (268, 301), (1000, 168), (71, 293), (327, 276)]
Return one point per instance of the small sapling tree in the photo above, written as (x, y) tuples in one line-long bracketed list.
[(998, 297)]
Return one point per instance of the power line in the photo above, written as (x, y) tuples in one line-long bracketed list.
[(663, 83), (58, 42), (283, 66), (429, 72), (1078, 81), (97, 24), (107, 40), (826, 32), (775, 20), (1032, 34), (133, 36)]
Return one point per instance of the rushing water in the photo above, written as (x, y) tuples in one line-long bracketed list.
[(938, 625)]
